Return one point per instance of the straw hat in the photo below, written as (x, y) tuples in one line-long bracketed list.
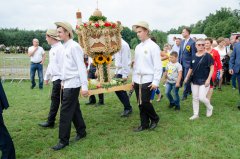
[(141, 24), (53, 34), (66, 26)]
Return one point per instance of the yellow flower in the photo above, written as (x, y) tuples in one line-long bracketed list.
[(100, 59), (109, 59), (188, 48)]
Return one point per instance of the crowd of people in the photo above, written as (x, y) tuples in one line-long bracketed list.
[(195, 64)]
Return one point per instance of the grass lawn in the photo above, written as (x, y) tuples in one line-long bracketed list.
[(110, 136)]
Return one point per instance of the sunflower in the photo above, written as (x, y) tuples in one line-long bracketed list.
[(188, 48), (109, 59), (100, 59)]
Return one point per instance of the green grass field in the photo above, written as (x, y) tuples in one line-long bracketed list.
[(110, 136)]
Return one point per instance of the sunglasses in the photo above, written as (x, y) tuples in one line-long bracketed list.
[(200, 44)]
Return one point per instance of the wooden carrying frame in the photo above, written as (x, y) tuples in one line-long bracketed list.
[(125, 87)]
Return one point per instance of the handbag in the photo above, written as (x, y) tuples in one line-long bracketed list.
[(190, 79)]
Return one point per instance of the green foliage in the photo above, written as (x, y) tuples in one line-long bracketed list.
[(134, 42), (161, 37), (97, 18), (220, 24), (16, 37), (128, 35)]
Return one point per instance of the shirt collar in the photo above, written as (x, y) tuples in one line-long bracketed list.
[(56, 44), (146, 41), (67, 43)]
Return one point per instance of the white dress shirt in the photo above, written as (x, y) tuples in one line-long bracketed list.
[(175, 48), (222, 52), (54, 69), (38, 54), (90, 61), (74, 72), (147, 63), (123, 60)]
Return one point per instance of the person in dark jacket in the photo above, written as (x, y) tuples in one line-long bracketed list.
[(6, 143)]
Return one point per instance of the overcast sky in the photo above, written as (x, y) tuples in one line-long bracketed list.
[(160, 14)]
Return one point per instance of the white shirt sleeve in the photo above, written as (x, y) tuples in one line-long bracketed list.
[(78, 57), (126, 60), (157, 63)]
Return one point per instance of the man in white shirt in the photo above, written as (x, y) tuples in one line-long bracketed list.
[(53, 73), (37, 56), (147, 71), (92, 75), (122, 63), (176, 45), (74, 76)]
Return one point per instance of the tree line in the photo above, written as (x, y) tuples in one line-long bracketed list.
[(219, 24)]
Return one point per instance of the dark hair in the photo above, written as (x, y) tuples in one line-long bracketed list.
[(179, 39), (153, 39), (209, 39), (174, 53), (187, 29)]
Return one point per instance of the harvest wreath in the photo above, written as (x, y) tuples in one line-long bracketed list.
[(100, 39)]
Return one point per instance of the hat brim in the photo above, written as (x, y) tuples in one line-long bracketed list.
[(70, 30), (54, 37), (134, 27)]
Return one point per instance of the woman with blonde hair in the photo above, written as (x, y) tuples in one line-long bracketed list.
[(200, 74)]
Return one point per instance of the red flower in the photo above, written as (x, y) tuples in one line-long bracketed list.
[(107, 24), (85, 24), (97, 25), (113, 25), (77, 26)]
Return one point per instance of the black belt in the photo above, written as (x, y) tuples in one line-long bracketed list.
[(36, 63)]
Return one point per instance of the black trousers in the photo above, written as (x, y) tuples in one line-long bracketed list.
[(123, 96), (55, 101), (147, 111), (6, 143), (91, 75), (70, 112)]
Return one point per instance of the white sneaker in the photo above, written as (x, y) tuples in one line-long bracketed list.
[(209, 112), (193, 117)]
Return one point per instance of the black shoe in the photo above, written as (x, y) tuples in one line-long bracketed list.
[(46, 125), (140, 128), (220, 89), (238, 107), (79, 137), (171, 106), (177, 108), (126, 113), (90, 103), (184, 98), (153, 125), (59, 146), (99, 104), (32, 86)]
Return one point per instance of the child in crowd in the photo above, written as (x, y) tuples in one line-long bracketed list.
[(157, 91), (173, 77)]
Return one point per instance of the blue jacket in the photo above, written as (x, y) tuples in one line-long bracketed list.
[(185, 54), (234, 62), (3, 99)]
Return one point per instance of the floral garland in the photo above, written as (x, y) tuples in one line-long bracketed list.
[(96, 29)]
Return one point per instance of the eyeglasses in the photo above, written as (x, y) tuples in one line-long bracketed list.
[(200, 44)]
